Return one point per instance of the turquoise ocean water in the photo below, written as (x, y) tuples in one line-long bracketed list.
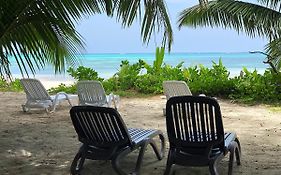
[(107, 64)]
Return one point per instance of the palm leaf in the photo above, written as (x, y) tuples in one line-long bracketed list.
[(240, 16), (153, 14), (273, 49), (37, 33), (255, 20), (43, 32)]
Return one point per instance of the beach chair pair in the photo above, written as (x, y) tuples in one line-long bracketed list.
[(194, 127), (89, 93)]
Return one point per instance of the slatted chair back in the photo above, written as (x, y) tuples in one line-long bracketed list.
[(34, 89), (101, 127), (175, 88), (194, 124), (91, 92)]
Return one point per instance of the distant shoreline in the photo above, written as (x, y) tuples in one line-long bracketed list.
[(52, 80), (107, 64)]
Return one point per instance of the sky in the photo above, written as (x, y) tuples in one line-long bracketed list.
[(105, 35)]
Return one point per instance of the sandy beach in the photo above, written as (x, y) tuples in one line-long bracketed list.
[(41, 143)]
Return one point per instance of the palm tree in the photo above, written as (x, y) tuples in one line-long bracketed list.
[(262, 20), (40, 32)]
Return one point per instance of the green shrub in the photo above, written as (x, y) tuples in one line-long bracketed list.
[(111, 84), (254, 87), (128, 74), (14, 86), (72, 89), (142, 78), (84, 73), (209, 81), (153, 82), (149, 83)]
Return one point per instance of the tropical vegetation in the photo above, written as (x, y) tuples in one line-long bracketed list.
[(142, 78), (135, 80), (36, 33)]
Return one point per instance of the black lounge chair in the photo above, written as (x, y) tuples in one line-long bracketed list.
[(196, 134), (105, 137)]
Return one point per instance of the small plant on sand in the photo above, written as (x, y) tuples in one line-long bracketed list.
[(72, 89), (84, 73), (13, 86)]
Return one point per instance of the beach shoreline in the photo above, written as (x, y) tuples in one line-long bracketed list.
[(107, 64), (54, 80)]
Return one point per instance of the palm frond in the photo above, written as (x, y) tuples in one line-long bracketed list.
[(245, 17), (43, 32), (273, 49), (273, 4), (153, 14), (40, 32)]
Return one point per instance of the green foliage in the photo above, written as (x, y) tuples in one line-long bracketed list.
[(253, 87), (238, 15), (128, 74), (84, 73), (46, 29), (149, 83), (249, 87), (209, 81), (152, 81), (72, 89), (14, 86), (111, 84), (142, 78)]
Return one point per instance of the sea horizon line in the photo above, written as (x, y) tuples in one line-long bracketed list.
[(121, 53)]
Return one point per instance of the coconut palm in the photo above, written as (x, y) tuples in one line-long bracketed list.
[(40, 32), (262, 19)]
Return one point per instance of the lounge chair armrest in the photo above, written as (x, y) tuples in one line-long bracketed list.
[(111, 98), (56, 99), (116, 100)]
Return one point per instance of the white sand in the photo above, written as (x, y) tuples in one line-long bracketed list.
[(39, 143)]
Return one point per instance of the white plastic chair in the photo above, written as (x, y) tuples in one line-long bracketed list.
[(38, 97), (91, 93), (175, 88)]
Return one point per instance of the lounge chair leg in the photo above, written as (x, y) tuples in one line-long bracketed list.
[(115, 163), (213, 168), (234, 151), (140, 157), (238, 153), (78, 161), (24, 108), (159, 154), (169, 165), (230, 163), (67, 98)]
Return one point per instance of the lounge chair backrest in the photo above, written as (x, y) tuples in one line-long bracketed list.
[(175, 88), (34, 89), (194, 124), (100, 126), (91, 92)]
